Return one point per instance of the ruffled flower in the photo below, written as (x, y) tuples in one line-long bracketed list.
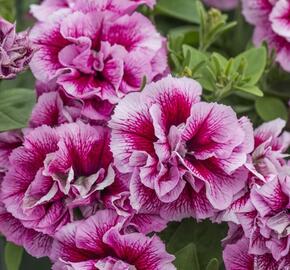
[(272, 24), (15, 50), (222, 4), (237, 257), (186, 156), (43, 11), (98, 243), (97, 54), (55, 172), (266, 220)]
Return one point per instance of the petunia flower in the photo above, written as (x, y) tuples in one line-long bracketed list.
[(96, 54), (55, 172), (271, 21), (15, 50), (98, 243), (186, 156)]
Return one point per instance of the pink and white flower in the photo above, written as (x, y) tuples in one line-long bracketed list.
[(271, 145), (8, 142), (35, 243), (55, 107), (186, 156), (97, 54), (237, 257), (15, 50), (98, 243), (272, 24), (56, 171), (222, 4), (43, 11), (266, 220)]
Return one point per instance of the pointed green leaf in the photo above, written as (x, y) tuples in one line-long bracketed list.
[(270, 108), (254, 90), (13, 256), (186, 258), (195, 56), (213, 264), (15, 108)]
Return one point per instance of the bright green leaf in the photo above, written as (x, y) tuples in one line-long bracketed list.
[(270, 108), (213, 264), (256, 59), (15, 108), (195, 56), (254, 90), (13, 256), (183, 10), (186, 258)]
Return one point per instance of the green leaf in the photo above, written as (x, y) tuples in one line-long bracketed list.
[(254, 90), (186, 258), (270, 108), (13, 256), (256, 59), (7, 10), (213, 264), (204, 235), (195, 57), (15, 108), (183, 10)]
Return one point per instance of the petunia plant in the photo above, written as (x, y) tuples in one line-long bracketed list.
[(144, 134)]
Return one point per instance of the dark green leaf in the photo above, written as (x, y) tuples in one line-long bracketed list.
[(13, 256), (186, 258), (15, 108), (256, 59), (270, 108), (213, 264), (205, 236), (183, 10)]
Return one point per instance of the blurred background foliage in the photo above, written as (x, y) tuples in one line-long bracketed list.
[(207, 46)]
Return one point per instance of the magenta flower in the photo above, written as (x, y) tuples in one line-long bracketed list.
[(222, 4), (8, 142), (56, 171), (237, 257), (270, 147), (35, 243), (56, 107), (15, 50), (97, 54), (47, 7), (266, 218), (185, 155), (266, 161), (97, 243), (272, 24)]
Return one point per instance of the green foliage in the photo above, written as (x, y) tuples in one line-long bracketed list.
[(221, 76), (7, 10), (270, 108), (189, 237), (186, 258), (15, 108), (212, 25), (184, 10), (13, 256)]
